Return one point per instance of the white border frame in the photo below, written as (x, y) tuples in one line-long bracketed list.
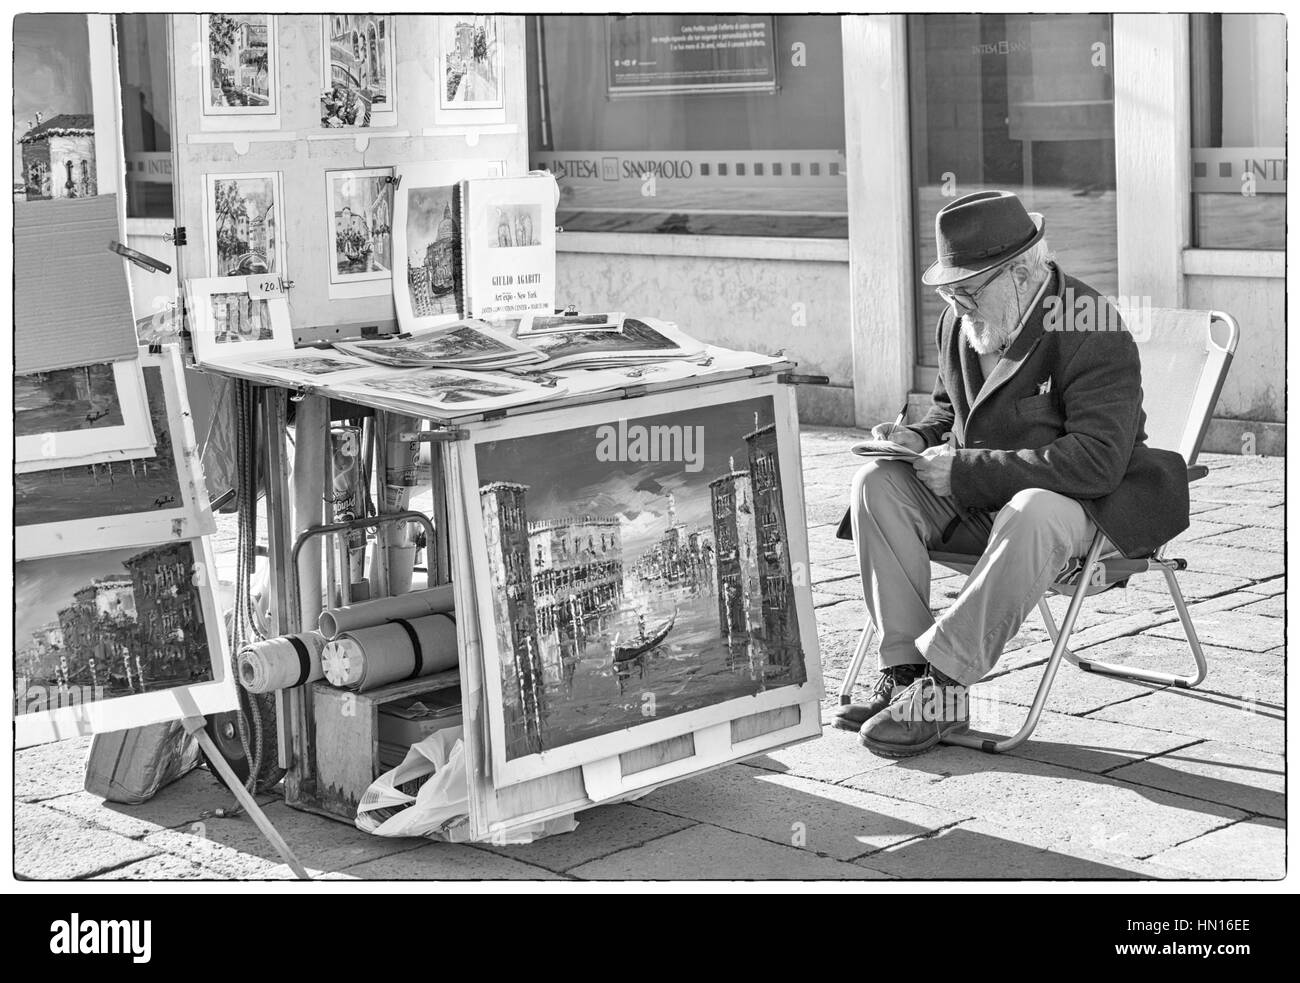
[(585, 752), (190, 518), (384, 118), (452, 114), (216, 695), (92, 446), (206, 349), (218, 117), (343, 285), (210, 217)]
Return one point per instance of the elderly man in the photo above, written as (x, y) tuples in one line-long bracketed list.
[(1037, 417)]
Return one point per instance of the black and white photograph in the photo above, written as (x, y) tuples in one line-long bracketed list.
[(643, 451)]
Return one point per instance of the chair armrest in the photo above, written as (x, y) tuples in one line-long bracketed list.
[(1195, 472)]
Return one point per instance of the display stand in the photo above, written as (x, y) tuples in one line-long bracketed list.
[(331, 756)]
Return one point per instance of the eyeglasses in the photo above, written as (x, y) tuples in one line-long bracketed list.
[(965, 299)]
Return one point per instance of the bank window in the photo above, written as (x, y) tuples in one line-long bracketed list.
[(1016, 102), (146, 114), (691, 124), (1239, 130)]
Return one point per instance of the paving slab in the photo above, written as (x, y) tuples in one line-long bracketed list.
[(1250, 850), (1232, 629), (209, 854), (1269, 607), (1203, 556), (830, 758), (47, 770), (177, 805), (1241, 777), (1208, 716), (1260, 538), (828, 819), (49, 845), (162, 867), (979, 850), (449, 862), (1056, 804), (1073, 691), (1269, 588), (601, 831), (1082, 743), (710, 853), (1272, 517), (317, 842)]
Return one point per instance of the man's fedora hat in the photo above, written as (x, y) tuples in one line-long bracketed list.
[(977, 232)]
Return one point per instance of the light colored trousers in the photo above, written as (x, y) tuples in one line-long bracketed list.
[(895, 523)]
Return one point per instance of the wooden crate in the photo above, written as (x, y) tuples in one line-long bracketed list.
[(341, 754)]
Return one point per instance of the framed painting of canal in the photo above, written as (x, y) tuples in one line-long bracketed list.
[(80, 414), (640, 575), (358, 83), (68, 508), (239, 65), (117, 638)]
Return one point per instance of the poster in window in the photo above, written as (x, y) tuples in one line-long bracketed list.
[(658, 53)]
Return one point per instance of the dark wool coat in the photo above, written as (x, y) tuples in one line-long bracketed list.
[(1083, 437)]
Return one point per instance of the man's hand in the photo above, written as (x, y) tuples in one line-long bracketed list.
[(935, 469), (899, 435)]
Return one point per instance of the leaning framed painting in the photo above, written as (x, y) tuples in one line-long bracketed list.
[(639, 572), (70, 508), (81, 414), (117, 638)]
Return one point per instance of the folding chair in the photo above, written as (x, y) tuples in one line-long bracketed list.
[(1185, 358)]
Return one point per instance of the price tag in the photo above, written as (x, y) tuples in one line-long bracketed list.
[(264, 285)]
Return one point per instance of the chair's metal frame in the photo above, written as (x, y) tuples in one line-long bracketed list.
[(1096, 575)]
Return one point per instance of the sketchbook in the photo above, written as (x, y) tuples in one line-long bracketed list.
[(508, 251)]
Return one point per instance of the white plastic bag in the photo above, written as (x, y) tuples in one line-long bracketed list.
[(397, 804), (439, 809)]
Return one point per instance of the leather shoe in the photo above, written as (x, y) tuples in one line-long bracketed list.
[(891, 681), (930, 709)]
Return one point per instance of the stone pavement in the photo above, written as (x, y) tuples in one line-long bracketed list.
[(1121, 780)]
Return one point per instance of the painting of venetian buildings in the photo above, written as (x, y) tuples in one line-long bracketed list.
[(244, 211), (360, 69), (99, 625), (612, 579), (432, 251), (362, 207), (239, 61)]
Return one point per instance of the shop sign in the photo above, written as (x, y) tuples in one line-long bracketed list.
[(681, 53), (1239, 170)]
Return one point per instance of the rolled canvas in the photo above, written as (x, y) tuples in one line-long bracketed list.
[(275, 663), (368, 658), (417, 604)]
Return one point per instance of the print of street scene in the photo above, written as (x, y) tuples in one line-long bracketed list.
[(442, 388), (66, 399), (112, 488), (237, 317), (239, 60), (246, 225), (618, 582), (432, 251), (358, 82), (99, 625), (363, 231), (470, 53)]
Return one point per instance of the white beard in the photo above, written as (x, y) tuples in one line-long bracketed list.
[(985, 336)]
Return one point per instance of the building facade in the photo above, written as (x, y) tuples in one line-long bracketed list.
[(736, 555)]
